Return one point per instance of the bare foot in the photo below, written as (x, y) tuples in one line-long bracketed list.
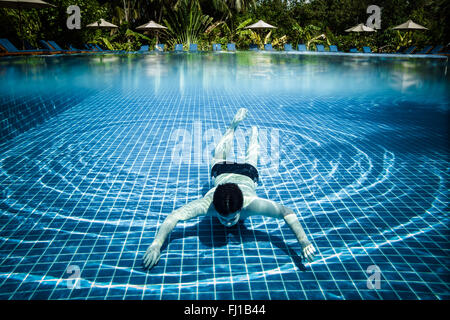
[(240, 115)]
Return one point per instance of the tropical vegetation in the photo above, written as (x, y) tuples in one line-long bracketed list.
[(222, 21)]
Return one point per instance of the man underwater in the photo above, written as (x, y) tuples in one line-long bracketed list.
[(233, 196)]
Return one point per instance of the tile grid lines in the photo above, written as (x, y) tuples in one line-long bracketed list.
[(322, 231), (109, 214), (158, 223), (325, 180), (191, 103), (166, 261), (30, 230), (350, 251), (105, 142), (116, 199), (143, 132), (160, 103), (305, 226), (368, 236), (387, 240), (252, 223), (284, 239), (364, 188), (402, 205), (366, 202), (38, 241), (103, 200), (310, 237)]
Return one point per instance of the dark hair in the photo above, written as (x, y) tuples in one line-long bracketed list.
[(228, 198)]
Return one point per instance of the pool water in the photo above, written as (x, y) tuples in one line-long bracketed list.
[(95, 151)]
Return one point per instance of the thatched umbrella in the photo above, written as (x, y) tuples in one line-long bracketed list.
[(360, 28), (409, 26), (260, 25), (152, 26), (24, 4), (102, 24)]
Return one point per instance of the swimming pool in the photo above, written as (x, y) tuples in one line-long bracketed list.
[(97, 150)]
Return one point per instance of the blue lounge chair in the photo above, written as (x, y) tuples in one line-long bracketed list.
[(354, 50), (143, 49), (367, 50), (217, 47), (231, 47), (159, 47), (320, 48), (425, 50), (268, 47), (410, 50), (178, 47), (193, 47), (72, 48), (253, 47), (93, 48), (288, 47), (10, 49), (96, 47), (49, 48), (333, 48), (301, 47), (436, 49), (58, 48)]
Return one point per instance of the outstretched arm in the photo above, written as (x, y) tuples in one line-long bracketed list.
[(189, 211), (272, 209)]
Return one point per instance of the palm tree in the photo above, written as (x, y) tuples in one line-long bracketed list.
[(186, 22)]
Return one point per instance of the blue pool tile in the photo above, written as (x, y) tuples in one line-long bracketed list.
[(87, 175)]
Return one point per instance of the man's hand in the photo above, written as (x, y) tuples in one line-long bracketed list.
[(308, 252), (151, 257)]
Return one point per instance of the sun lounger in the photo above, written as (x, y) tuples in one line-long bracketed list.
[(231, 47), (268, 47), (354, 50), (253, 47), (58, 48), (367, 50), (143, 49), (425, 50), (159, 47), (333, 48), (72, 48), (10, 49), (193, 47), (178, 47), (320, 48), (288, 47), (49, 48), (301, 47), (436, 49), (410, 50), (97, 48), (217, 47)]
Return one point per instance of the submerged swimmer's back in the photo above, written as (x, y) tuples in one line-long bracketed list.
[(232, 198)]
